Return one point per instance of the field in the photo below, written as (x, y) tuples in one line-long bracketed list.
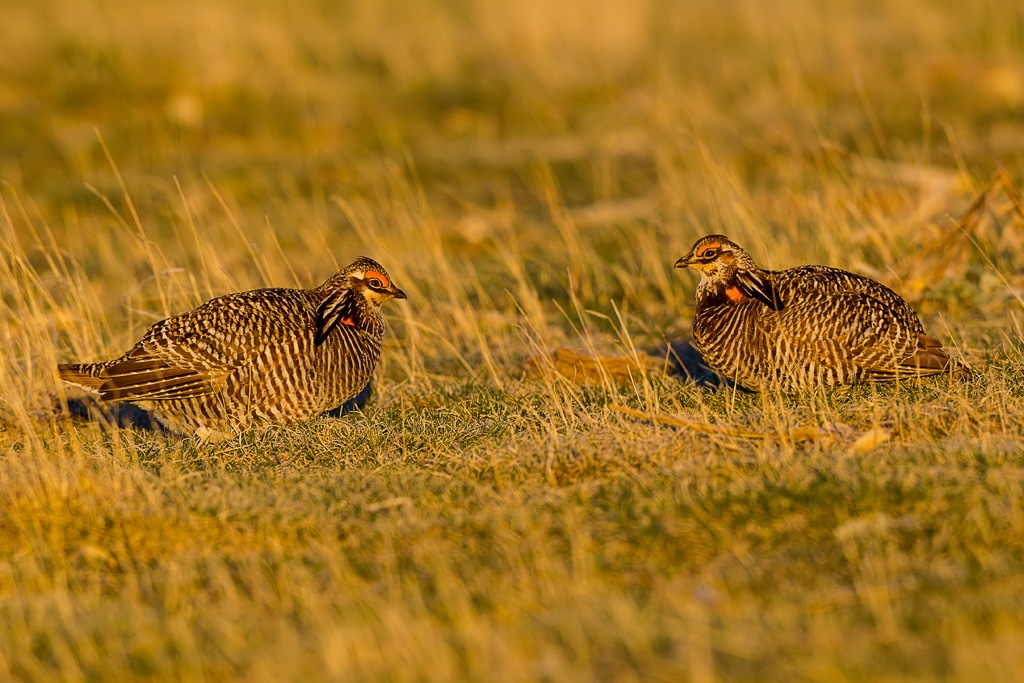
[(528, 172)]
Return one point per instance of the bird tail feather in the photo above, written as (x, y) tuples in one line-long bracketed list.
[(82, 375)]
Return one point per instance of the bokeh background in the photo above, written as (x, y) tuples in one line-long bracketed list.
[(528, 172)]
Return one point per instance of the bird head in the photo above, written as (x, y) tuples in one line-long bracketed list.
[(368, 279), (725, 268), (353, 297), (717, 258)]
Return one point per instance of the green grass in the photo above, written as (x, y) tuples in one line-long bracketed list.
[(527, 172)]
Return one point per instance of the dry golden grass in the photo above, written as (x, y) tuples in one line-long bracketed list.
[(528, 172)]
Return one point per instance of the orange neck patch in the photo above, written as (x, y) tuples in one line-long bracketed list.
[(734, 294), (347, 321), (373, 273)]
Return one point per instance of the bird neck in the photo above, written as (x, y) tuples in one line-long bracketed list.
[(713, 287), (353, 310), (337, 282), (725, 289)]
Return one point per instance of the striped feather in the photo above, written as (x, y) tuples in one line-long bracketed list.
[(797, 329), (278, 355), (79, 375)]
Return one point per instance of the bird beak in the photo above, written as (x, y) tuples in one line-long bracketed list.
[(684, 262), (397, 293)]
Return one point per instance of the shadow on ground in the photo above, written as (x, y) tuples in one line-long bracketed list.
[(679, 359), (683, 362), (89, 409), (688, 363)]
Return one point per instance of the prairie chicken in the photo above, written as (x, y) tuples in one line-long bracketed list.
[(805, 327), (269, 355)]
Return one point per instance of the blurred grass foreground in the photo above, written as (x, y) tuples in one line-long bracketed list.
[(528, 172)]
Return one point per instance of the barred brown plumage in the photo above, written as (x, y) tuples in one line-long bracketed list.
[(805, 327), (268, 355)]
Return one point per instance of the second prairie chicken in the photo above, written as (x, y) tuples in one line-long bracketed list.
[(793, 330), (269, 355)]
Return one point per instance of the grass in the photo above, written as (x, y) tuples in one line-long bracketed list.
[(528, 173)]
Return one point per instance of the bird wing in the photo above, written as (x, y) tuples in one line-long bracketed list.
[(139, 374), (157, 373), (859, 334), (838, 281), (190, 355)]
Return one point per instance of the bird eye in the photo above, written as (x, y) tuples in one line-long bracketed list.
[(375, 283), (710, 253)]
